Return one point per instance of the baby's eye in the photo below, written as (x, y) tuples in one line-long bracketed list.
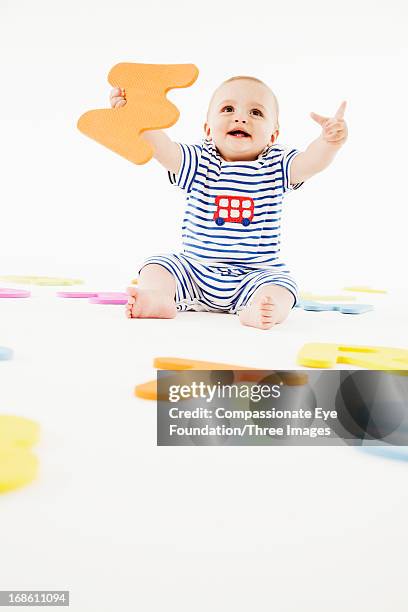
[(256, 112), (227, 109)]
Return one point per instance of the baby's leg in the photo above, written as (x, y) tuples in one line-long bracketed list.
[(270, 304), (153, 298)]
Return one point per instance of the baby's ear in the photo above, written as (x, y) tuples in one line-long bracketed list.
[(207, 131), (274, 136)]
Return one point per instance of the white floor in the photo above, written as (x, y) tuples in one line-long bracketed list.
[(126, 525)]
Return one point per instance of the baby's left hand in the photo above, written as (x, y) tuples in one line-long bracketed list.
[(334, 128)]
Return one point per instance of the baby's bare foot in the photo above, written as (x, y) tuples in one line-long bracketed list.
[(149, 304), (262, 313)]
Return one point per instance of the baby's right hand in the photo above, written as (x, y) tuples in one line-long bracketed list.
[(117, 97)]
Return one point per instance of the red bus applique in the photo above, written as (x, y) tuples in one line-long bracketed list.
[(234, 209)]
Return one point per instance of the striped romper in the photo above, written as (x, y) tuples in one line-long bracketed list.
[(231, 228)]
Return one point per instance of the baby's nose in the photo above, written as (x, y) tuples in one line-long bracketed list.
[(240, 120)]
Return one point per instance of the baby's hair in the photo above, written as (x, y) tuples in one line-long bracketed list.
[(250, 78)]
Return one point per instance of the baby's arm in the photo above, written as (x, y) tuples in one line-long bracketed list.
[(321, 152), (166, 151)]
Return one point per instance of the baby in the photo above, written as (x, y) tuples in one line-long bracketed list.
[(235, 182)]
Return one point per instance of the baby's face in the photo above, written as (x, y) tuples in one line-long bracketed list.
[(242, 120)]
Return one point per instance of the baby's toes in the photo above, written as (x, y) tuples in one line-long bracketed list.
[(266, 321), (136, 309), (132, 292), (267, 305)]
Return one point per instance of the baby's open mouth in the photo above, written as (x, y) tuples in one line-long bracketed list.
[(239, 134)]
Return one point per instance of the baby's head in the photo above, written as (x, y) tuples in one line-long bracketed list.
[(242, 118)]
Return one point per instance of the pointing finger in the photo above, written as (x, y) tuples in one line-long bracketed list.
[(340, 111)]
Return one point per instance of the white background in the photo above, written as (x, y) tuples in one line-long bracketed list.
[(121, 523), (69, 199)]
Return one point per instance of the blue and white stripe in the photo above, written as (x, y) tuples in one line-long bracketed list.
[(221, 267), (203, 175), (224, 288)]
